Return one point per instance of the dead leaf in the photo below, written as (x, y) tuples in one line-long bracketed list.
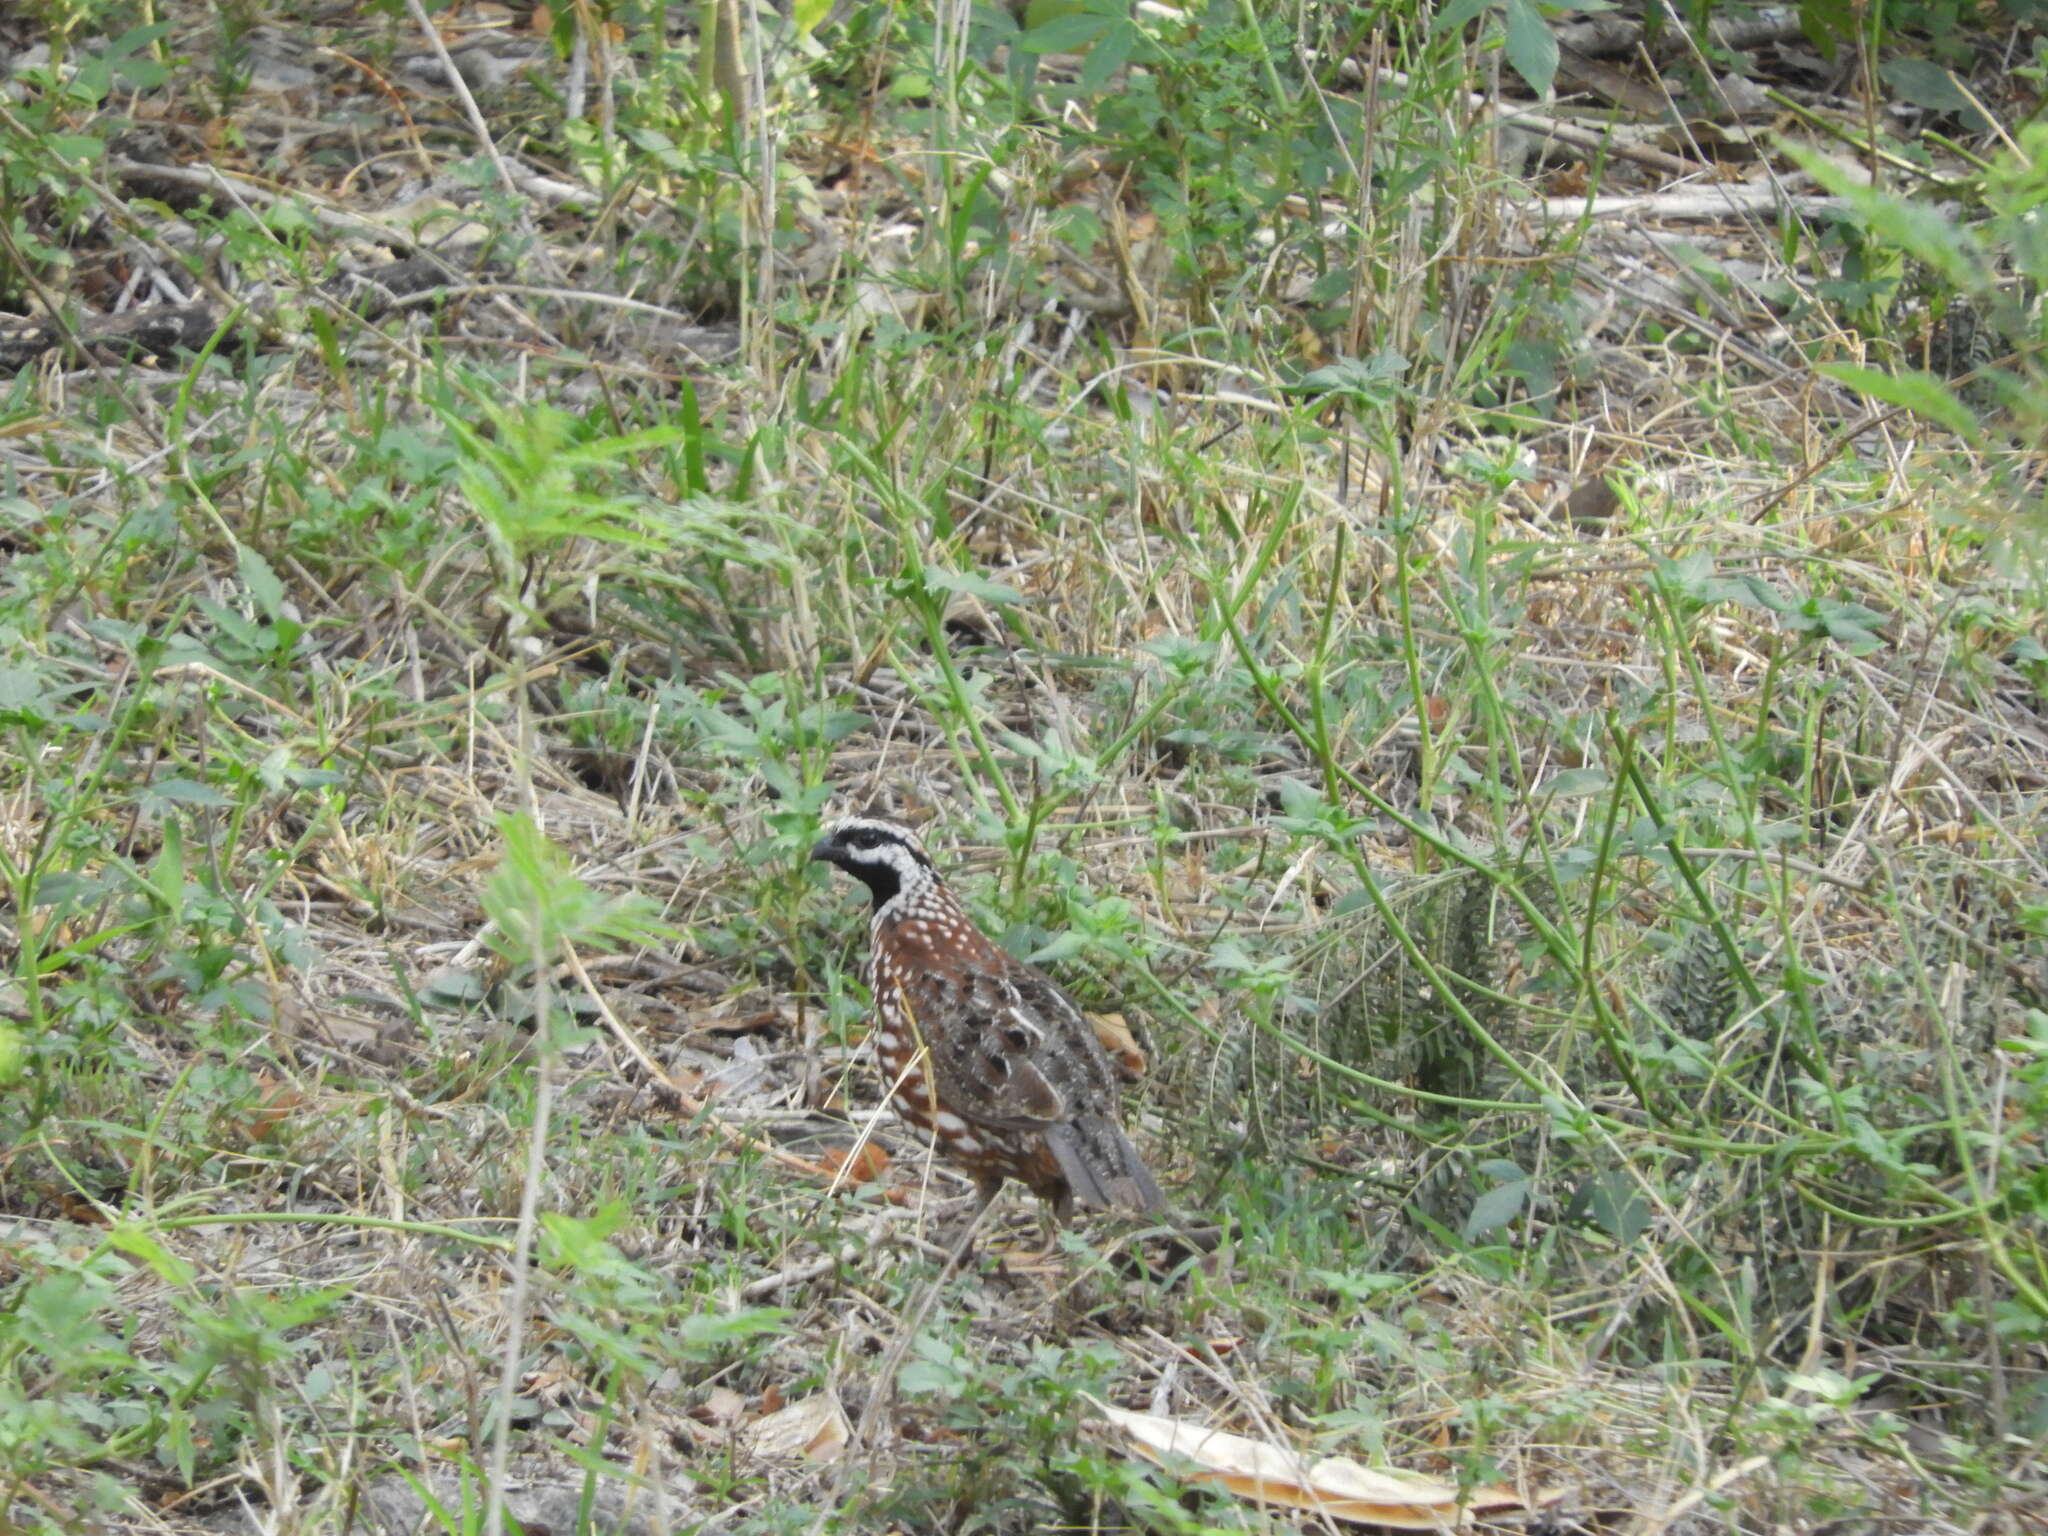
[(1722, 143), (1569, 181), (1116, 1038), (721, 1408), (78, 1211), (814, 1427), (1333, 1486), (278, 1103), (1594, 501), (750, 1017), (855, 1165)]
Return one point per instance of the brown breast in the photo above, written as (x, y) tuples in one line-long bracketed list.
[(917, 976)]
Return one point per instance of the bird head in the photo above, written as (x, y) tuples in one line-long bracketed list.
[(886, 858)]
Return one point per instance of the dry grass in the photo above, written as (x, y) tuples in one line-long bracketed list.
[(1588, 961)]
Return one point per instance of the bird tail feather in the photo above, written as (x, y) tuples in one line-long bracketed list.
[(1102, 1167)]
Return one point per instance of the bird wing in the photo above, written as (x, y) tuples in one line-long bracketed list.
[(1001, 1064), (1091, 1137), (1026, 1059)]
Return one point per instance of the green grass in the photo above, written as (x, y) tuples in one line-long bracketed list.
[(1591, 972)]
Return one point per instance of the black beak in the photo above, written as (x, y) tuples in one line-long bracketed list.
[(825, 848)]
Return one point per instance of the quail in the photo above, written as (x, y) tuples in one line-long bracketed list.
[(982, 1052)]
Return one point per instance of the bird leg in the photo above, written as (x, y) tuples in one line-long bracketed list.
[(986, 1189), (1053, 1216)]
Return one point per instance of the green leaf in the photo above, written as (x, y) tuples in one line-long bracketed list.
[(1694, 578), (1064, 34), (530, 479), (1924, 83), (1458, 12), (1575, 783), (56, 1317), (1184, 654), (708, 1331), (1059, 947), (935, 1370), (186, 792), (1371, 380), (1359, 1286), (23, 698), (1350, 902), (1110, 53), (1850, 624), (451, 986), (1923, 393), (1616, 1205), (74, 146), (137, 1243), (1531, 48), (261, 581), (1496, 1208), (580, 1242), (994, 593), (1917, 228), (537, 905)]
